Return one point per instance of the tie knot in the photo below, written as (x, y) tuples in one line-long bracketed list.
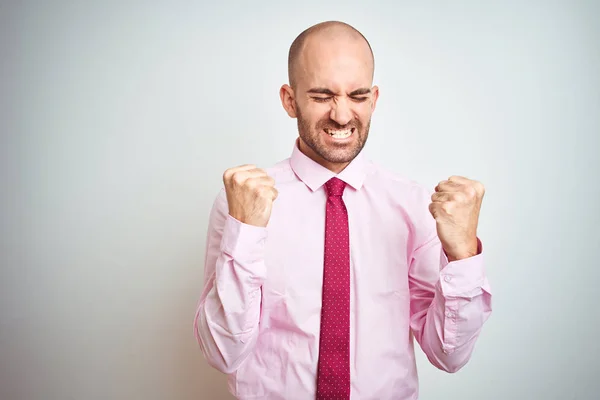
[(335, 187)]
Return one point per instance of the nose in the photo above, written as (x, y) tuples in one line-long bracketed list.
[(341, 112)]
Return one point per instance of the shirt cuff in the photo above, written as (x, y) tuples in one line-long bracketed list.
[(463, 278), (243, 242)]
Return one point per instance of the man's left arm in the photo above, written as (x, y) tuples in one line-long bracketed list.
[(450, 293)]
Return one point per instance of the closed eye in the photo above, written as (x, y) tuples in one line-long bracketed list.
[(321, 99)]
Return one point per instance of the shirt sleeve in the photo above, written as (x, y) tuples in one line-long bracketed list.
[(450, 301), (228, 313)]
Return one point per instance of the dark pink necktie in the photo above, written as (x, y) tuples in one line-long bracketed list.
[(333, 376)]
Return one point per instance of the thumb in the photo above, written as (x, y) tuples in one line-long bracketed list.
[(434, 210)]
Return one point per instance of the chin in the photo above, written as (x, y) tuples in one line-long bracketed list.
[(340, 156)]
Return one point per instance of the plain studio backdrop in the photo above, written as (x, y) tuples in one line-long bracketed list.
[(118, 120)]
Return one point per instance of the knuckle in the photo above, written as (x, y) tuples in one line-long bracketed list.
[(480, 188), (460, 197), (258, 189), (470, 192), (273, 193), (433, 210), (227, 174), (237, 177)]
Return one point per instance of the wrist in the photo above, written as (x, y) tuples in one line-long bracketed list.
[(462, 252)]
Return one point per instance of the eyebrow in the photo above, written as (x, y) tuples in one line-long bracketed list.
[(321, 91), (326, 91), (358, 92)]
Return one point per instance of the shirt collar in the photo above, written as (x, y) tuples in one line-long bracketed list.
[(315, 175)]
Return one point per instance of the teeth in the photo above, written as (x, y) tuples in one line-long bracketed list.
[(340, 134)]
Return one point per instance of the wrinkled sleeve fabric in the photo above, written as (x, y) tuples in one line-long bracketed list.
[(450, 301), (228, 312)]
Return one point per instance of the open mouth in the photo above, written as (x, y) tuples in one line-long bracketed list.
[(340, 133)]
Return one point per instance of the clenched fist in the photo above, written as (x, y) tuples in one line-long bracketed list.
[(250, 194), (455, 207)]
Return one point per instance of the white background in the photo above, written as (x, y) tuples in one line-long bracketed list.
[(117, 120)]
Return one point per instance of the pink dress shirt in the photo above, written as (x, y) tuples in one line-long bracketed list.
[(259, 313)]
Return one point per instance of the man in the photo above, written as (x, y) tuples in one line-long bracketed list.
[(321, 270)]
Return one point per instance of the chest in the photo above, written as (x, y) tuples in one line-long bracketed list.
[(379, 237)]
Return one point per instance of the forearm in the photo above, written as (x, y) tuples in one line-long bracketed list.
[(447, 320), (228, 317), (452, 325), (228, 313)]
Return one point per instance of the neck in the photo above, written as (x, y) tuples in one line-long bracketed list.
[(310, 153)]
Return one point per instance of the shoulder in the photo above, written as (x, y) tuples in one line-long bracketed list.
[(280, 170), (405, 195), (397, 183)]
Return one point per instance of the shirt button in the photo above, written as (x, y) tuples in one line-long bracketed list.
[(449, 314), (447, 278)]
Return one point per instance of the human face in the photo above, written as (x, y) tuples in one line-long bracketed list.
[(333, 101)]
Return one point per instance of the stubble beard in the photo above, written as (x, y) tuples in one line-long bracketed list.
[(339, 154)]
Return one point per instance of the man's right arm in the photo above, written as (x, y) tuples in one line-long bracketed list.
[(228, 313)]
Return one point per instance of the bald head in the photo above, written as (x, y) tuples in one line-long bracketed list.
[(326, 32)]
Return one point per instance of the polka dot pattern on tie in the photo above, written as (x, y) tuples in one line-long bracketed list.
[(333, 375)]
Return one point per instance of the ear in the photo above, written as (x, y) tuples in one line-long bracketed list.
[(287, 100), (374, 97)]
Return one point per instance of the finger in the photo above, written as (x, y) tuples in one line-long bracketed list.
[(230, 171), (240, 177), (263, 180), (459, 179), (447, 186), (245, 167), (256, 172), (439, 197), (273, 192), (467, 190), (434, 209), (478, 187), (450, 197), (267, 192)]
